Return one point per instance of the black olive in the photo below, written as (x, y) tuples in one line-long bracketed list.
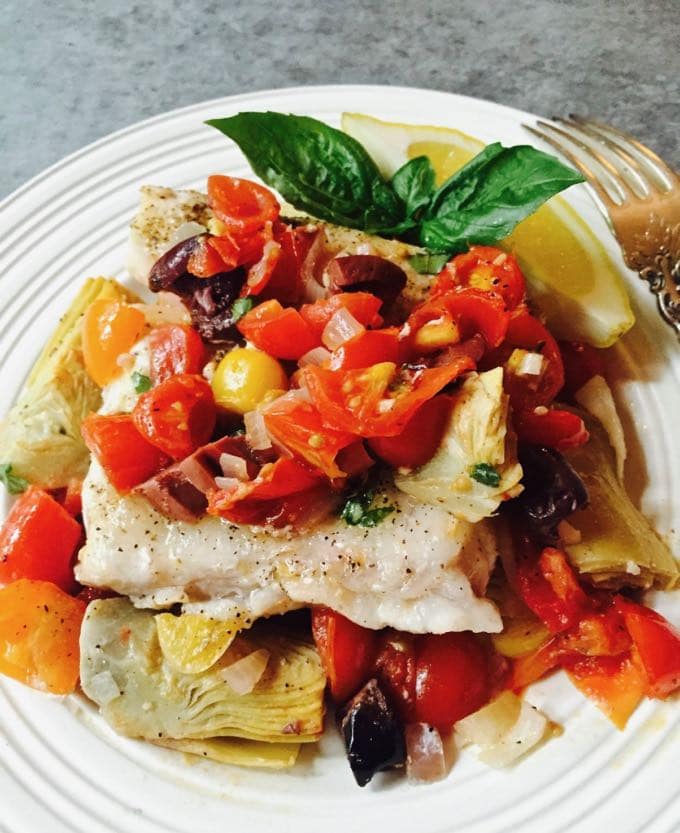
[(372, 732), (552, 491), (367, 273), (210, 301), (173, 264)]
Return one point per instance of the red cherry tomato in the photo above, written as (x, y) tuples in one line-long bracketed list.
[(453, 678), (177, 416), (206, 261), (486, 268), (175, 348), (279, 331), (285, 282), (363, 306), (556, 429), (346, 649), (366, 349), (243, 206), (581, 363), (420, 438), (395, 668)]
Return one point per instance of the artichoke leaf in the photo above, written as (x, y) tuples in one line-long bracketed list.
[(237, 751)]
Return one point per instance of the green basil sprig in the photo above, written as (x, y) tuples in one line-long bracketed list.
[(325, 172)]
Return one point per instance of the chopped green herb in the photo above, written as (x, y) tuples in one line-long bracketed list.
[(374, 516), (428, 263), (14, 484), (141, 383), (357, 511), (240, 307), (486, 474)]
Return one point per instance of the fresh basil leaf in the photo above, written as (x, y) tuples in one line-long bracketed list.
[(374, 516), (428, 263), (413, 183), (357, 511), (315, 167), (14, 484), (486, 474), (240, 307), (484, 201), (140, 382)]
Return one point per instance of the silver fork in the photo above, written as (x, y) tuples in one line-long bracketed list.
[(638, 193)]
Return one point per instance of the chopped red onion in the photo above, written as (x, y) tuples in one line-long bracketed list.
[(342, 326), (227, 483), (256, 431), (244, 674), (233, 466), (316, 356), (425, 759)]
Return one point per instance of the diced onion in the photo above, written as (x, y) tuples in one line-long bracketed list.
[(242, 676), (316, 356), (103, 688), (425, 758), (596, 397), (342, 326), (531, 365), (228, 483), (256, 431), (184, 232), (166, 308), (300, 394), (233, 466), (126, 361)]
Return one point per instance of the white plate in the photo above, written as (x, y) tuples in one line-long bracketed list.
[(61, 769)]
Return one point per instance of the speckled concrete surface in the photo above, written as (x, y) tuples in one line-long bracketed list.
[(74, 70)]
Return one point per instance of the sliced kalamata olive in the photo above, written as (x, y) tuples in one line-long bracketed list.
[(473, 347), (171, 266), (373, 734), (367, 273), (552, 491), (210, 301)]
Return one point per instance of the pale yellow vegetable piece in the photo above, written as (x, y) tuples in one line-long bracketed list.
[(245, 377), (192, 643), (238, 751), (572, 278)]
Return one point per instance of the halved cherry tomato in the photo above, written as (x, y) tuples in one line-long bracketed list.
[(377, 401), (39, 635), (657, 644), (126, 456), (173, 349), (110, 328), (285, 282), (363, 306), (555, 428), (615, 684), (486, 268), (395, 668), (581, 363), (243, 206), (302, 509), (38, 541), (261, 271), (366, 349), (419, 439), (299, 427), (178, 415), (209, 258), (347, 651), (279, 331), (453, 678)]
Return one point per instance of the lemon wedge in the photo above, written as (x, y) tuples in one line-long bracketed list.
[(192, 643), (571, 276)]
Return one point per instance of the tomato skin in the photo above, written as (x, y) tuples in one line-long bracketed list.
[(420, 438), (581, 363), (209, 259), (125, 455), (346, 649), (38, 541), (243, 206), (366, 349), (486, 268), (178, 415), (556, 428), (395, 668), (110, 328), (285, 282), (363, 306), (279, 331), (615, 684), (657, 644), (452, 678), (39, 635), (175, 348)]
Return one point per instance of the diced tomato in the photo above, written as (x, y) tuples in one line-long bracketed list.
[(110, 328), (38, 541), (368, 348), (285, 282), (260, 273), (212, 256), (279, 331), (535, 665), (175, 348), (39, 635), (301, 509), (178, 415), (242, 205), (615, 684), (354, 459), (420, 438), (486, 268), (298, 426), (362, 305), (452, 678), (555, 428), (126, 456), (657, 644), (598, 634), (581, 363), (360, 401), (395, 668), (347, 651)]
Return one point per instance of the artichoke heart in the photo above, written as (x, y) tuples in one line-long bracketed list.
[(477, 433), (141, 695)]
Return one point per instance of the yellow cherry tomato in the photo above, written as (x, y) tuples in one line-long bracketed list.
[(244, 378)]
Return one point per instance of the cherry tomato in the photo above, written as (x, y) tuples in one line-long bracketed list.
[(346, 649), (556, 428), (280, 332), (209, 258), (285, 282), (453, 678), (110, 328), (126, 456), (261, 271), (177, 416), (175, 348), (420, 438), (363, 306), (395, 668), (486, 268), (615, 684), (581, 363), (301, 509), (243, 206), (366, 349)]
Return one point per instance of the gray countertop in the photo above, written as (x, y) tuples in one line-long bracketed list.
[(75, 70)]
